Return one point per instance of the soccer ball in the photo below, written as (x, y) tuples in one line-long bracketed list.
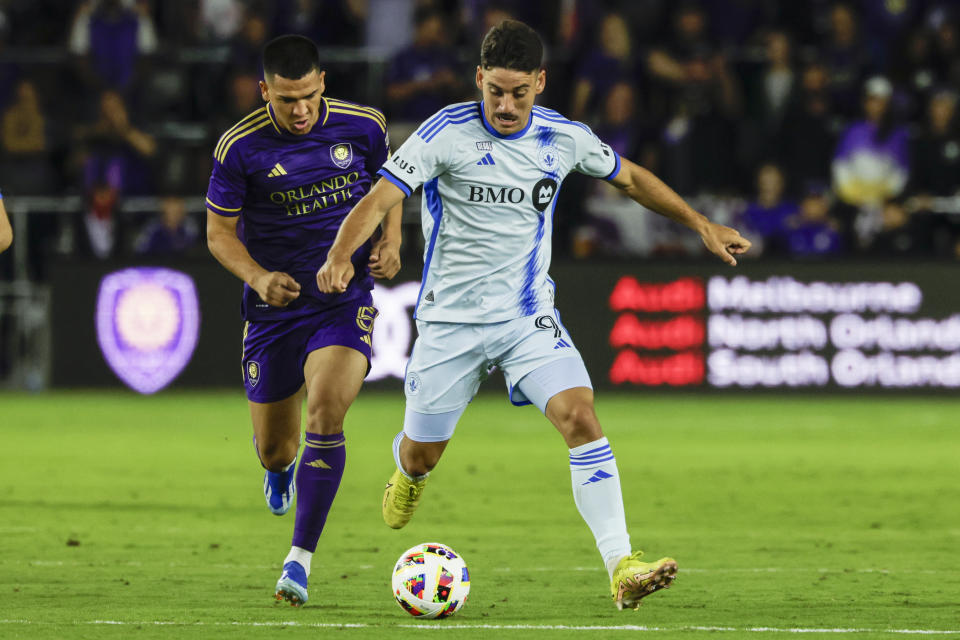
[(430, 580)]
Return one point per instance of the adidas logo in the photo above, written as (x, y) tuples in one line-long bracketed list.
[(487, 159), (561, 344), (277, 170), (318, 464), (429, 297), (598, 476)]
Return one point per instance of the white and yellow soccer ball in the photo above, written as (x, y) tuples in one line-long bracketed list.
[(430, 580)]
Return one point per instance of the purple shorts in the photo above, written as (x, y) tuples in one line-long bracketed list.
[(274, 353)]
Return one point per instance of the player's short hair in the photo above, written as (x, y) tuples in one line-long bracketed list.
[(512, 45), (290, 56)]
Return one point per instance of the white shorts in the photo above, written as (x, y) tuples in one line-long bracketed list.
[(450, 360)]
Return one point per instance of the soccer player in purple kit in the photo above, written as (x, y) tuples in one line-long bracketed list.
[(283, 180)]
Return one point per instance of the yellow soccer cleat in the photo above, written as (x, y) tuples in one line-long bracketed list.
[(633, 580), (401, 498)]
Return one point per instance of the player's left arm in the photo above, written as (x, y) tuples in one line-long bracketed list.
[(651, 192)]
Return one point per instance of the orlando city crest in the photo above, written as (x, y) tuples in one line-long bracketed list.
[(148, 320), (341, 154), (253, 372)]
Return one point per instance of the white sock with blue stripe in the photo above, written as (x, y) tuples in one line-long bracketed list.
[(596, 490), (396, 458)]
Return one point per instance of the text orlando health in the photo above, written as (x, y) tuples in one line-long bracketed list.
[(309, 198)]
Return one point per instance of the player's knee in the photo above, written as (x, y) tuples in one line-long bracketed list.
[(578, 423), (325, 418)]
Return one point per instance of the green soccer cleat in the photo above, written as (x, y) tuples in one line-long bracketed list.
[(401, 498), (633, 580)]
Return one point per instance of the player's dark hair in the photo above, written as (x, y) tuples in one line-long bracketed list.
[(290, 57), (511, 45)]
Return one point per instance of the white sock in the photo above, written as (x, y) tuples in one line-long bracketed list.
[(596, 491), (298, 554), (396, 458)]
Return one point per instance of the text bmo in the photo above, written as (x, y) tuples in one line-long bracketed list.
[(495, 194), (308, 198)]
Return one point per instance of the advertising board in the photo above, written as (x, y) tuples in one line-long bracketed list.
[(656, 326)]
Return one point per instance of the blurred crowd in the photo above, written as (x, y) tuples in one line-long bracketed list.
[(821, 128)]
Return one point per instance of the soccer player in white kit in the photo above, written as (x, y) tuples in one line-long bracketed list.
[(491, 172)]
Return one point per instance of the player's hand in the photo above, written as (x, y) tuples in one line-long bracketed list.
[(334, 275), (724, 242), (385, 259), (276, 288)]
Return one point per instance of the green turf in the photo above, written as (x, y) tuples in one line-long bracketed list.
[(808, 513)]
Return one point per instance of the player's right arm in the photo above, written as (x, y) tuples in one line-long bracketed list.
[(359, 225), (225, 200), (274, 287), (6, 231)]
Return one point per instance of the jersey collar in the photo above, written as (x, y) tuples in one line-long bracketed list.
[(273, 120), (324, 112), (497, 134)]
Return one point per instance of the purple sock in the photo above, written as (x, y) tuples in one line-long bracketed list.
[(318, 478)]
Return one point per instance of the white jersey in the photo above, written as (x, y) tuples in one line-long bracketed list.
[(488, 203)]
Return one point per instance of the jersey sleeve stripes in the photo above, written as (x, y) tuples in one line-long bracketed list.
[(456, 114), (350, 108), (230, 173), (552, 116), (402, 174), (256, 120)]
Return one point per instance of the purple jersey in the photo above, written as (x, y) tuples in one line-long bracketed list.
[(293, 192)]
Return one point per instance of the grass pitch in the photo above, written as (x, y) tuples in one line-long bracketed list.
[(143, 517)]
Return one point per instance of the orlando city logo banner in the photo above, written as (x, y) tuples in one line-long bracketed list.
[(148, 321)]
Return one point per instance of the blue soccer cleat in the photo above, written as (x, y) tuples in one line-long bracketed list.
[(292, 585), (279, 489)]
